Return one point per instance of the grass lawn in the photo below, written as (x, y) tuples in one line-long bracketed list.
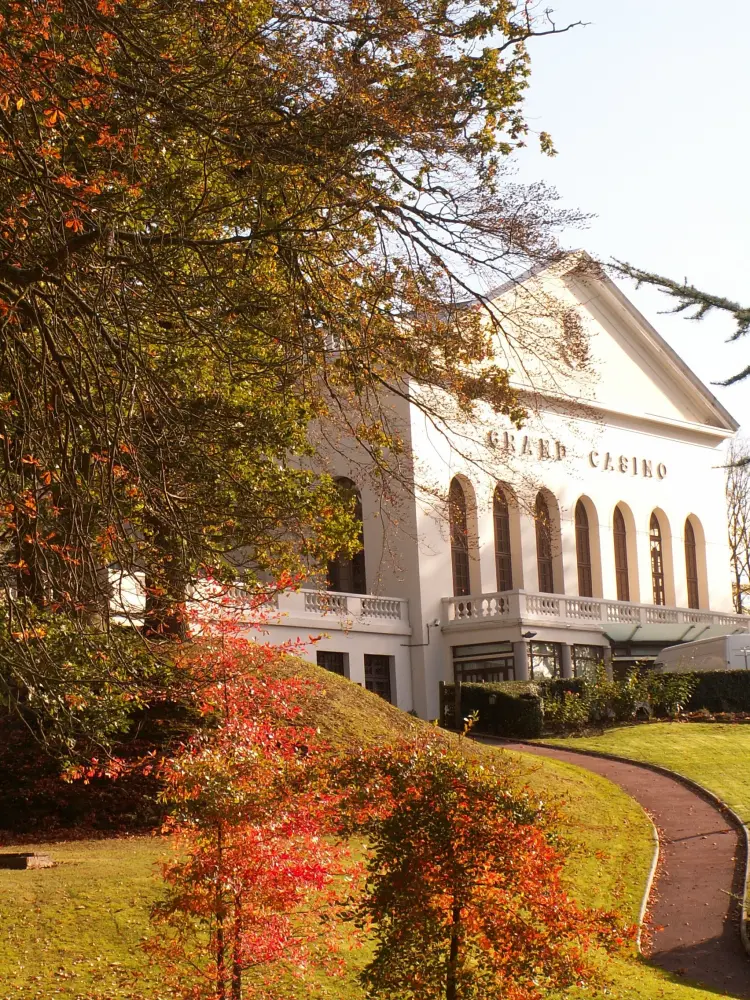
[(717, 756), (74, 931)]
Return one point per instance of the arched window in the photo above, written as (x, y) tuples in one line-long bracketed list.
[(347, 575), (503, 561), (583, 552), (657, 560), (691, 566), (544, 544), (620, 534), (459, 539)]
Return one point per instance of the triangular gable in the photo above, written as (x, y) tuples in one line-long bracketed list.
[(632, 371)]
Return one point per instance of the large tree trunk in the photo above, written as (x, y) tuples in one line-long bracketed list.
[(166, 612)]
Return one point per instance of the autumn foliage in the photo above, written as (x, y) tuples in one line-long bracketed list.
[(460, 888), (257, 878), (198, 202), (464, 895)]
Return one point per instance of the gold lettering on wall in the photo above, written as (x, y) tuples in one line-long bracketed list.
[(547, 450)]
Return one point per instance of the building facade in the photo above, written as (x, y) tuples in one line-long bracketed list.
[(596, 531)]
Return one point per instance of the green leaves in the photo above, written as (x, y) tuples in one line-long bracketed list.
[(238, 240)]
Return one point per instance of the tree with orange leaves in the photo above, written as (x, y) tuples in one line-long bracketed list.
[(464, 893), (259, 877)]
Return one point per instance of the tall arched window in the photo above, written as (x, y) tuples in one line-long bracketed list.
[(347, 575), (620, 534), (459, 529), (583, 552), (544, 544), (657, 560), (503, 561), (691, 566)]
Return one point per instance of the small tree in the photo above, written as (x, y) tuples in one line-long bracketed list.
[(252, 887), (464, 887)]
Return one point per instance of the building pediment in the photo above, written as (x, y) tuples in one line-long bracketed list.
[(630, 369)]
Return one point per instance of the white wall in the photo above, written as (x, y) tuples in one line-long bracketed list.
[(691, 484), (633, 428)]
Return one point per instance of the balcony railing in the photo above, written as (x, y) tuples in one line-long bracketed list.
[(358, 606), (521, 605), (325, 610), (305, 609)]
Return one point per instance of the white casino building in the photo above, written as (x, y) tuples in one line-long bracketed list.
[(598, 531)]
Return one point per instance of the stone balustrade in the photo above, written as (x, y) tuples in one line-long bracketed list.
[(308, 609), (557, 608)]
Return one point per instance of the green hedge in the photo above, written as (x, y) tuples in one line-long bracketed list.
[(524, 710), (721, 691), (555, 689), (638, 694), (505, 708)]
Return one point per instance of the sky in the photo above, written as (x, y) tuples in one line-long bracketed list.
[(649, 108)]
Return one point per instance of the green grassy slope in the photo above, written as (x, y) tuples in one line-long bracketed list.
[(345, 713), (74, 931), (717, 756)]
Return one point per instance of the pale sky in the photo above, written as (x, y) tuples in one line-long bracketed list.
[(649, 108)]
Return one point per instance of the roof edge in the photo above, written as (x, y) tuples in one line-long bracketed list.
[(676, 362)]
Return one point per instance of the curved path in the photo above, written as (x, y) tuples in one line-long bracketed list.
[(694, 902)]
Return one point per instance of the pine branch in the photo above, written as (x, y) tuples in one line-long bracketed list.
[(687, 297)]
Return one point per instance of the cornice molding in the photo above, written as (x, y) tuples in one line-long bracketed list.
[(589, 410)]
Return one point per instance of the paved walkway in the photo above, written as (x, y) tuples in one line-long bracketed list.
[(699, 879)]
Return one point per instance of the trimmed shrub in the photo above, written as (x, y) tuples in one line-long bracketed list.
[(524, 709), (571, 711), (720, 691), (504, 708), (572, 704), (557, 688)]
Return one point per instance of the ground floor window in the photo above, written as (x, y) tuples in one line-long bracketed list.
[(378, 675), (329, 660), (586, 660), (483, 662), (545, 660)]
